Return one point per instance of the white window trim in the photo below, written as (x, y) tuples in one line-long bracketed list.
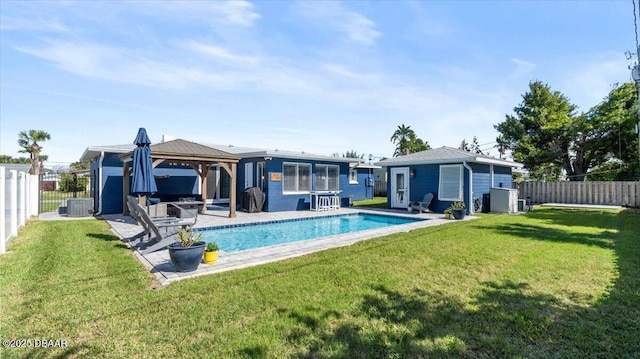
[(327, 173), (460, 184), (298, 165), (353, 170)]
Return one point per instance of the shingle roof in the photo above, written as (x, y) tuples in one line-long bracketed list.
[(94, 151), (221, 151), (248, 152), (181, 147), (445, 155)]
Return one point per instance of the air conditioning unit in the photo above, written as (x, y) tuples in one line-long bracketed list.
[(79, 207), (504, 200)]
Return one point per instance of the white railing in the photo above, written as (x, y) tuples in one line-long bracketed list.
[(18, 202)]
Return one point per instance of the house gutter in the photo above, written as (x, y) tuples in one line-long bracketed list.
[(100, 183), (466, 165)]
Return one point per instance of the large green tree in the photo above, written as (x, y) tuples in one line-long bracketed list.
[(610, 135), (547, 135), (407, 141), (30, 142), (471, 147), (541, 131), (352, 154), (9, 159)]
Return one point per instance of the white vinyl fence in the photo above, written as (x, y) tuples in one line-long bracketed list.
[(601, 193), (18, 202)]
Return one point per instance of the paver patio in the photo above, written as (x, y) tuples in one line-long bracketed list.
[(160, 266)]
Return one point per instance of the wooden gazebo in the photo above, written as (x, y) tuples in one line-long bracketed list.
[(198, 157)]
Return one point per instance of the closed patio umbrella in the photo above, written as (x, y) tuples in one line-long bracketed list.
[(142, 182)]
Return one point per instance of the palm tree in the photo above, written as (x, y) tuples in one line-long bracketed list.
[(402, 137), (30, 143)]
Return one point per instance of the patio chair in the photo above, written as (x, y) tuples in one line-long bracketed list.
[(162, 238), (152, 227), (424, 204), (134, 212)]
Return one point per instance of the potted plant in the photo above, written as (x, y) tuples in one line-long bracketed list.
[(447, 213), (211, 253), (458, 210), (186, 253)]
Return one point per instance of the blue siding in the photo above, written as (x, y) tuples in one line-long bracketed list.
[(361, 190), (111, 190), (503, 175), (112, 160), (427, 179), (277, 201), (182, 180)]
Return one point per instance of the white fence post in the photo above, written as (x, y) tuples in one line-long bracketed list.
[(22, 198), (13, 202), (3, 210), (18, 202)]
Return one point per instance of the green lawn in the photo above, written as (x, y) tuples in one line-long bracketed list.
[(376, 202), (50, 201), (552, 283)]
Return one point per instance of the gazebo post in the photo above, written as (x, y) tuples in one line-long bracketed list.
[(203, 185), (232, 190)]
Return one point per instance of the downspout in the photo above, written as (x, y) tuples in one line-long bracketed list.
[(464, 163), (99, 181)]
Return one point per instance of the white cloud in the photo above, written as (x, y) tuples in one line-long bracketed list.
[(355, 26), (522, 69), (349, 74), (219, 52), (236, 12), (39, 23), (588, 82)]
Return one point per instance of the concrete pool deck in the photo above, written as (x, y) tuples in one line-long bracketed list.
[(159, 264)]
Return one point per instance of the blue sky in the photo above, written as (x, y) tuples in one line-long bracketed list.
[(316, 76)]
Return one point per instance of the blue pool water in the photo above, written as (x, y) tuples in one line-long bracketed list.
[(238, 238)]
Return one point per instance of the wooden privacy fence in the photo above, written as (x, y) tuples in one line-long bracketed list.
[(380, 188), (603, 193)]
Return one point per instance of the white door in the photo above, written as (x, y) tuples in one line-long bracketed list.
[(248, 174), (400, 187)]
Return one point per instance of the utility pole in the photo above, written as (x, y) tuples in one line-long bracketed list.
[(635, 74)]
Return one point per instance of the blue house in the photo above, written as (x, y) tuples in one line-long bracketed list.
[(450, 174), (286, 178)]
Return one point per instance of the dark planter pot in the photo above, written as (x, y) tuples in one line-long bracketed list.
[(186, 259), (458, 213)]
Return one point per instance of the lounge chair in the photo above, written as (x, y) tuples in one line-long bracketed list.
[(153, 227), (134, 211), (424, 204)]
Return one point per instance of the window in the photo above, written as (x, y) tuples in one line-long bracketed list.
[(450, 188), (296, 177), (327, 178), (353, 176)]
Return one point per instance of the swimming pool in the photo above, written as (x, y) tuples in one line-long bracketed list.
[(248, 236)]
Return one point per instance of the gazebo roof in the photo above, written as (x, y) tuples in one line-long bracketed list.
[(190, 151), (187, 151)]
